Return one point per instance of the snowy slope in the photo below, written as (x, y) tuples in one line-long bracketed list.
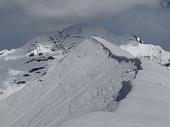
[(147, 105), (87, 80), (39, 53), (82, 69), (150, 52), (21, 66)]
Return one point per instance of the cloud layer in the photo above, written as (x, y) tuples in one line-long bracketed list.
[(75, 10), (22, 19)]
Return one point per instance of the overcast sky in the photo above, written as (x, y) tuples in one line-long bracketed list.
[(20, 20)]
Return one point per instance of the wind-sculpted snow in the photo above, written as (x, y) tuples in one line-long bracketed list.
[(87, 80), (147, 104), (83, 69), (43, 50)]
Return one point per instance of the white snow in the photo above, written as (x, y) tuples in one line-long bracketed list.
[(56, 44), (73, 78), (148, 51), (147, 105), (14, 72), (113, 48), (85, 81)]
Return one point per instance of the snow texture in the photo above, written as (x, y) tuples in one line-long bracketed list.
[(147, 105), (61, 76)]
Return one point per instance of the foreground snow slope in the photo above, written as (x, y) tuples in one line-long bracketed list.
[(87, 80), (83, 69), (147, 105)]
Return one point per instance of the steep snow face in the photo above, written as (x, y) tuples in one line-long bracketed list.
[(150, 52), (88, 79), (147, 105)]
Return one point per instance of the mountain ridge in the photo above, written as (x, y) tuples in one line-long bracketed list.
[(83, 69), (83, 59)]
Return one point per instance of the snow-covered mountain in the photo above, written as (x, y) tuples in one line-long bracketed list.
[(30, 62), (83, 69)]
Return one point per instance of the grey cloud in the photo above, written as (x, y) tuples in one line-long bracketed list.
[(27, 18), (153, 25), (61, 9)]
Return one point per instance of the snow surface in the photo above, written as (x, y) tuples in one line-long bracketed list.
[(87, 80), (148, 51), (35, 54), (113, 48), (147, 105), (62, 75)]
